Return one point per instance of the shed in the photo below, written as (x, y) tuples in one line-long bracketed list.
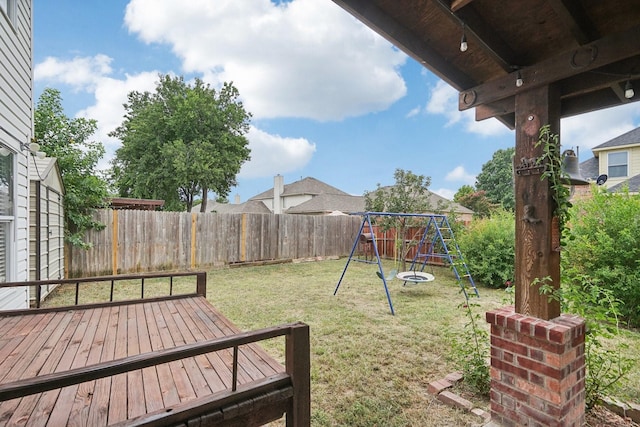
[(46, 222)]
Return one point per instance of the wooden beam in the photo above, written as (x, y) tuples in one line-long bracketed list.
[(378, 20), (479, 33), (608, 50), (574, 17), (459, 4), (537, 252)]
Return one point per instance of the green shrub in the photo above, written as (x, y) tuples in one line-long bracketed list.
[(603, 246), (605, 364), (488, 247)]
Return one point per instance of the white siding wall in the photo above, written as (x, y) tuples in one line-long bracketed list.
[(16, 100)]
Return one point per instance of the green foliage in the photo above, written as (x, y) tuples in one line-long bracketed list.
[(68, 140), (409, 194), (463, 192), (557, 178), (496, 179), (471, 351), (605, 365), (488, 246), (181, 142), (604, 246), (479, 203)]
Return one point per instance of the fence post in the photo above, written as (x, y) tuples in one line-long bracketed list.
[(114, 242), (194, 217), (298, 366)]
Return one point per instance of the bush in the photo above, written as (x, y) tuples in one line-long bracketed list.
[(488, 247), (603, 245)]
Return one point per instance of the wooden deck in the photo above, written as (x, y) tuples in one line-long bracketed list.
[(148, 362)]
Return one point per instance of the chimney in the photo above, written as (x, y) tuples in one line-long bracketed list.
[(278, 188), (236, 199)]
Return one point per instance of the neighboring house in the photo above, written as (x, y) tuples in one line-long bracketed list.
[(16, 112), (308, 196), (440, 205), (619, 159)]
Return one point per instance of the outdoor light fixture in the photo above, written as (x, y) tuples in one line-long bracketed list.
[(519, 81), (463, 41), (628, 90), (34, 149)]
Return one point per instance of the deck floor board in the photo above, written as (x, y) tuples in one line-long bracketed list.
[(41, 343)]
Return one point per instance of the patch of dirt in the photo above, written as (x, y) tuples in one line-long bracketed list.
[(600, 416)]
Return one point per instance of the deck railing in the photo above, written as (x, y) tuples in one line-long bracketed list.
[(297, 375), (200, 284)]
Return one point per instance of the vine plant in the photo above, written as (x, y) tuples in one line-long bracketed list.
[(557, 177)]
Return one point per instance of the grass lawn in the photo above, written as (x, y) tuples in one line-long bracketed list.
[(368, 368)]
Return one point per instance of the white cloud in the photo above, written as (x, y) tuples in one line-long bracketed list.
[(445, 192), (591, 129), (414, 112), (443, 101), (305, 58), (273, 154), (458, 174), (110, 96), (270, 154), (81, 73)]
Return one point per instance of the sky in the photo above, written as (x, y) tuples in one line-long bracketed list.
[(329, 98)]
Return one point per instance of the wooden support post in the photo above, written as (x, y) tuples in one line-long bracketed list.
[(298, 366), (537, 258), (201, 283)]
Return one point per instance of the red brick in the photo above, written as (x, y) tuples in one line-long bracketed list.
[(536, 354), (513, 322), (536, 379), (513, 392), (490, 316), (527, 325), (539, 416), (437, 386), (454, 377), (486, 416), (559, 334), (507, 357), (507, 345), (512, 369), (454, 400), (541, 330), (540, 368)]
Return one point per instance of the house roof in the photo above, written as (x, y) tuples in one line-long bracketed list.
[(327, 203), (633, 183), (250, 206), (135, 204), (589, 48), (308, 185), (438, 203), (629, 138), (590, 168)]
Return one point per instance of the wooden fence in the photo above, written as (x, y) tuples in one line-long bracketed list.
[(137, 241)]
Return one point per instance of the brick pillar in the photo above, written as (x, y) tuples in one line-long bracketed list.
[(537, 369)]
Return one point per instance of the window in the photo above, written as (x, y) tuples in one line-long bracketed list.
[(6, 209), (8, 7), (617, 164)]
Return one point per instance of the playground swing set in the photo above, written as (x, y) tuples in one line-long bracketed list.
[(437, 242)]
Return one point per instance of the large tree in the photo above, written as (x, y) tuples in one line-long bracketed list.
[(409, 194), (496, 179), (68, 140), (180, 142)]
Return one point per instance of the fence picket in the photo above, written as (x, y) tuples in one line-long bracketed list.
[(154, 241)]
